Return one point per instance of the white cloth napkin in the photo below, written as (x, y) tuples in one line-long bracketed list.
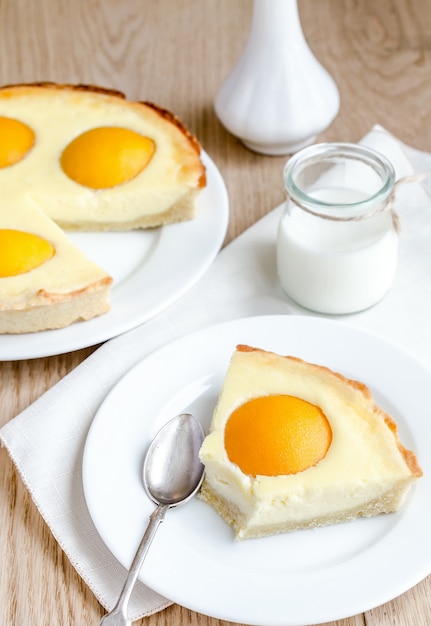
[(46, 440)]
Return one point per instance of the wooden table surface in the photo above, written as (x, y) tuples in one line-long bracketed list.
[(176, 53)]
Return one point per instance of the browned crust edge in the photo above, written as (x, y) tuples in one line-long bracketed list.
[(408, 456), (78, 87), (173, 119), (46, 298), (84, 305), (54, 298), (353, 383)]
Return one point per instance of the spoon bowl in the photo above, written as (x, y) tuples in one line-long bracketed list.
[(172, 471), (172, 474)]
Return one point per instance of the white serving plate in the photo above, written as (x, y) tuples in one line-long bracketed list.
[(296, 579)]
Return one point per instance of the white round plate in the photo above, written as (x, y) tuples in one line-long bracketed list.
[(301, 578), (151, 269)]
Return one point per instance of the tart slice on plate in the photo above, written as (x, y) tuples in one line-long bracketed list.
[(295, 445), (45, 281)]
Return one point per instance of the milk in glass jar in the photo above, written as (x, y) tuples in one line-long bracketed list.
[(337, 242)]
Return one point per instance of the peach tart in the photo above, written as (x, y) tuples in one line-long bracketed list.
[(92, 160), (295, 445), (81, 158)]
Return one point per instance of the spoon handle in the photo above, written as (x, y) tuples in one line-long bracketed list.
[(118, 615)]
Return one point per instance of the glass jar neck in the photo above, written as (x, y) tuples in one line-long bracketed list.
[(340, 181)]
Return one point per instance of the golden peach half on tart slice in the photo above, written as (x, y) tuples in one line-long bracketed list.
[(295, 445)]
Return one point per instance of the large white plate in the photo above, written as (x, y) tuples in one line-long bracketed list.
[(151, 269), (302, 578)]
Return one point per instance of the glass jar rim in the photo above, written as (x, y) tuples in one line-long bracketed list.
[(331, 151)]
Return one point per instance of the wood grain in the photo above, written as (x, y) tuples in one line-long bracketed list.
[(177, 53)]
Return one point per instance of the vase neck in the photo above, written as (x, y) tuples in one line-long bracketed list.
[(275, 19)]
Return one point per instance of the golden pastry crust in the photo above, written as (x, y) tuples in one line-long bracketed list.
[(48, 311), (170, 117), (44, 298)]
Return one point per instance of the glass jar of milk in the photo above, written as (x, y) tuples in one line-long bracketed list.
[(337, 243)]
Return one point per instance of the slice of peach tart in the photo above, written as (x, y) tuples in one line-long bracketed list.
[(45, 281), (294, 445)]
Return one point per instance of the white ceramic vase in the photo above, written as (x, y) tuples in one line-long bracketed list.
[(278, 97)]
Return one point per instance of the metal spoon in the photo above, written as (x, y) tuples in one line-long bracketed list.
[(172, 474)]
